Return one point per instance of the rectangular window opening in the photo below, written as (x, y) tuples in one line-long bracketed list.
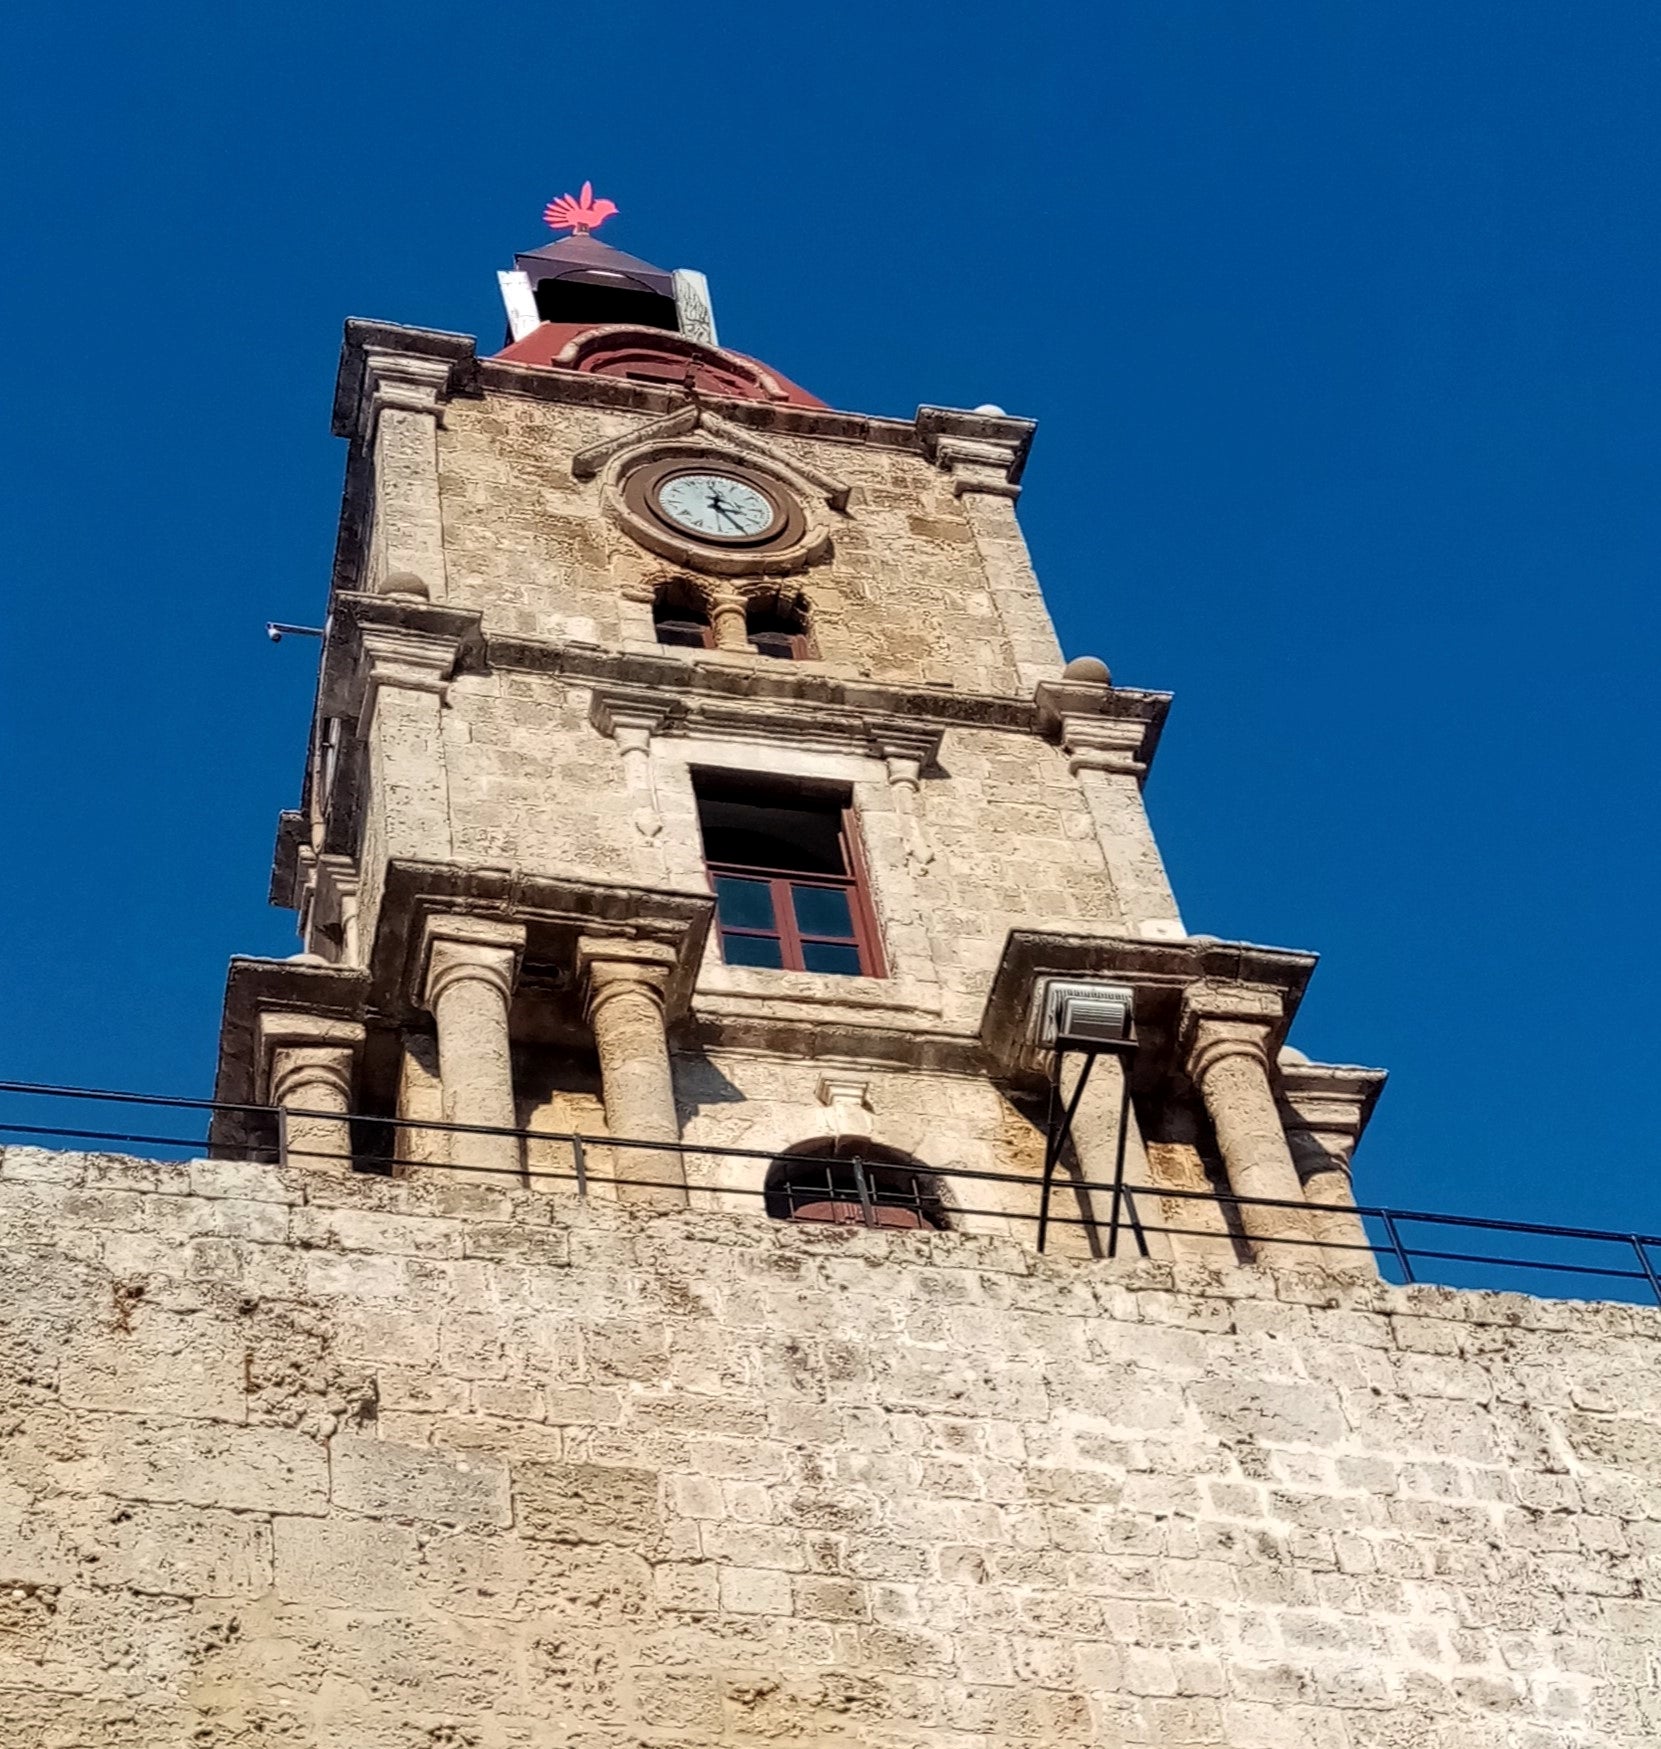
[(790, 892)]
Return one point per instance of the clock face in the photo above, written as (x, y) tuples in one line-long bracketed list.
[(717, 507)]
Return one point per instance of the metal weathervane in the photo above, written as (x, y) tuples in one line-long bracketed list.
[(578, 214)]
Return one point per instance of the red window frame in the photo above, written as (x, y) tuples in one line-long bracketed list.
[(786, 930)]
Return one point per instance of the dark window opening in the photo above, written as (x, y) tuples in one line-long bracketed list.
[(680, 617), (779, 630), (576, 300), (789, 892), (864, 1188)]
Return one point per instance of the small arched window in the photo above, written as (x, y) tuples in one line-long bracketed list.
[(680, 617), (864, 1185), (777, 627)]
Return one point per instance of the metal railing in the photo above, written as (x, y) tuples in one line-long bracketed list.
[(875, 1188)]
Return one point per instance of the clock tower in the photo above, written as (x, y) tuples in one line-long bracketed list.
[(695, 769)]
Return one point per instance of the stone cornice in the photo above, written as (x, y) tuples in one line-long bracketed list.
[(830, 728), (788, 687), (555, 910), (362, 625), (1162, 973)]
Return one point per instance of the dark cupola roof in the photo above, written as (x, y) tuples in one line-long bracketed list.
[(581, 279)]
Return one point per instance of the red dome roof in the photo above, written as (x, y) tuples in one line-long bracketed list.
[(653, 355)]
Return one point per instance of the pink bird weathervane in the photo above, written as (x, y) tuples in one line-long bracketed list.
[(579, 214)]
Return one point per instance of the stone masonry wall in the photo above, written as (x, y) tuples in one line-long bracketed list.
[(904, 596), (300, 1460)]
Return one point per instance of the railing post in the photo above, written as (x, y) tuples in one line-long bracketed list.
[(1648, 1267), (579, 1165), (282, 1135), (863, 1186), (1396, 1245)]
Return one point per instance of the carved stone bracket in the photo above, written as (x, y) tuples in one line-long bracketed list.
[(847, 1102), (631, 722), (907, 753)]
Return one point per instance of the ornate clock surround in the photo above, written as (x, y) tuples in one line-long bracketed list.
[(641, 495), (693, 439)]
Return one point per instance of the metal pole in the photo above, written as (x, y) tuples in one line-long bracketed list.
[(579, 1165), (862, 1185), (282, 1135), (1119, 1168), (1058, 1137)]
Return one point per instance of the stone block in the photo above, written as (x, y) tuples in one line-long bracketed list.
[(384, 1479), (582, 1503)]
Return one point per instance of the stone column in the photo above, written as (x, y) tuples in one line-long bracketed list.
[(468, 976), (1326, 1106), (729, 619), (625, 984), (1225, 1037), (308, 1064), (403, 407)]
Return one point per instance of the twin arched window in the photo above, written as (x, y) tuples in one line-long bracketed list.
[(854, 1185), (775, 626)]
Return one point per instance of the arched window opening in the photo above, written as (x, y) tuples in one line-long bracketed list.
[(868, 1186), (680, 617), (777, 627)]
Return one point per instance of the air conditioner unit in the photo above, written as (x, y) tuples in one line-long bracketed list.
[(1087, 1016)]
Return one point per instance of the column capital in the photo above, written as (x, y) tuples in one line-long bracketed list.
[(608, 964), (288, 1045), (458, 948), (402, 382), (1221, 1021)]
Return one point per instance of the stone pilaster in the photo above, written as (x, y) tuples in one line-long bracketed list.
[(624, 986), (403, 407), (1225, 1041), (469, 968), (1105, 755), (983, 472), (308, 1065), (405, 678)]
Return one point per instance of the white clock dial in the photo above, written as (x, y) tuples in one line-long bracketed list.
[(715, 504)]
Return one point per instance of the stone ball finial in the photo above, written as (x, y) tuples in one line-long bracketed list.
[(1091, 669), (992, 409), (406, 583)]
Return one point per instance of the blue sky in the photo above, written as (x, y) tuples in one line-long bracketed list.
[(1340, 324)]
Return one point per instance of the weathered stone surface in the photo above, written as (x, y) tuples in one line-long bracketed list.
[(709, 1479)]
